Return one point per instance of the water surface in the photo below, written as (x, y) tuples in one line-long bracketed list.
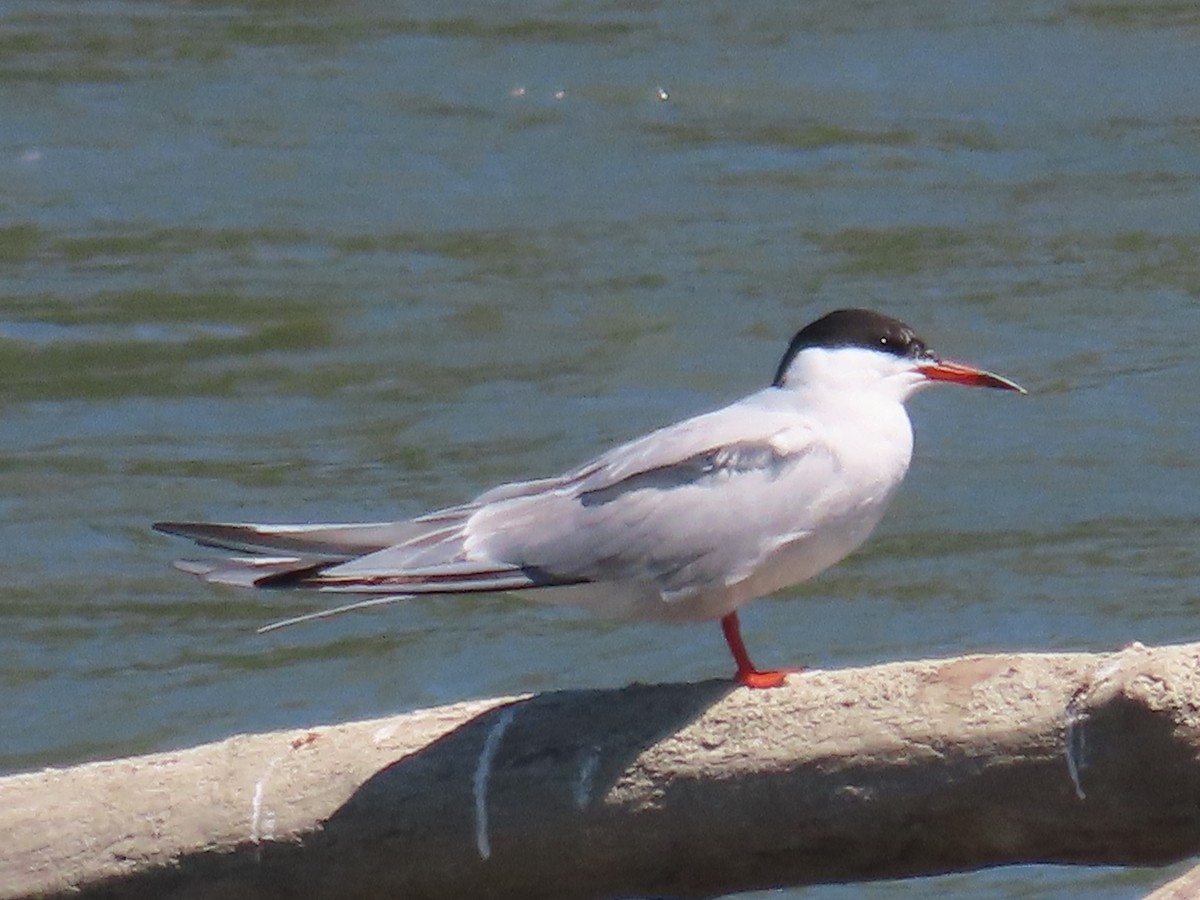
[(285, 261)]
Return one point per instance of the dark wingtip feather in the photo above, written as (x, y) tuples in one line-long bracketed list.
[(293, 578), (206, 534)]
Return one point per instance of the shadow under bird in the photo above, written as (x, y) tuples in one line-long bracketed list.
[(686, 523)]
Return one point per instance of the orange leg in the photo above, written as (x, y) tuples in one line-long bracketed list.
[(746, 673)]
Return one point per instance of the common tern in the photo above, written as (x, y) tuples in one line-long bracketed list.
[(686, 523)]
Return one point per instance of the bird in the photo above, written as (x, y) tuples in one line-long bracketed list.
[(686, 523)]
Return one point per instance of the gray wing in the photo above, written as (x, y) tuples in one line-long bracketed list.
[(677, 508), (316, 542), (700, 500), (686, 509)]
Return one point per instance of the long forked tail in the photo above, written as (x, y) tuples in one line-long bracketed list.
[(332, 542), (291, 555), (382, 562)]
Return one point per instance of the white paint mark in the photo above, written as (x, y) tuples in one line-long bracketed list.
[(1074, 751), (257, 832), (1074, 740), (383, 733), (483, 771), (587, 773), (1106, 671)]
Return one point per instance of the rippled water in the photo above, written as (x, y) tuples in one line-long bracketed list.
[(288, 261)]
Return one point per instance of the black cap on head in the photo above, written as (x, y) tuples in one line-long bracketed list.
[(854, 328)]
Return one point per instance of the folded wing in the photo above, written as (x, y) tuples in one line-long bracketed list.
[(667, 510)]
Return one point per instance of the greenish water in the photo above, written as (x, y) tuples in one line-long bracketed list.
[(293, 261)]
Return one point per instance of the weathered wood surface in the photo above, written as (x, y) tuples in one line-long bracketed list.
[(683, 790)]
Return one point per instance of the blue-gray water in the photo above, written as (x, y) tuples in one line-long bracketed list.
[(301, 261)]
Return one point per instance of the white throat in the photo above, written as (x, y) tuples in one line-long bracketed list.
[(843, 371)]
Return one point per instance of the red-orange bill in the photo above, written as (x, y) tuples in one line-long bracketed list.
[(957, 373)]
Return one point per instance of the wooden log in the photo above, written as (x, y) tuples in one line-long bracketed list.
[(1182, 887), (688, 790)]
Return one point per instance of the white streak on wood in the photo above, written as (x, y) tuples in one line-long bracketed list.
[(383, 733), (587, 773), (483, 772), (257, 833), (1074, 749)]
